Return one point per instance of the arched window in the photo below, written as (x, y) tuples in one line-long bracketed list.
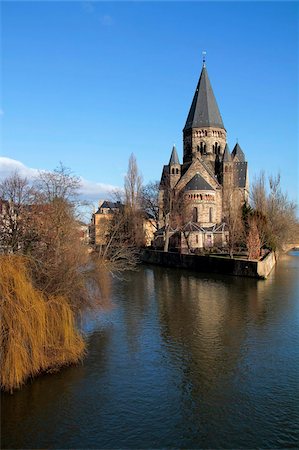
[(206, 133), (216, 148), (177, 171), (210, 214), (172, 171), (202, 148), (195, 215)]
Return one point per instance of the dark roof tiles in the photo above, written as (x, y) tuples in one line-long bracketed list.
[(198, 183), (204, 111), (241, 173), (174, 159), (226, 154), (238, 152)]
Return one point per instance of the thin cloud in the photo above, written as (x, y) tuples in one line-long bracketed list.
[(88, 6), (89, 190), (106, 20), (95, 191)]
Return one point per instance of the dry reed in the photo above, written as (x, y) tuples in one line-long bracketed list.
[(38, 332)]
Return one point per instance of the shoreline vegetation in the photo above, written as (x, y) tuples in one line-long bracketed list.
[(38, 332), (49, 276)]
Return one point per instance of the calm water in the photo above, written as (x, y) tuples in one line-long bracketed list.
[(180, 360)]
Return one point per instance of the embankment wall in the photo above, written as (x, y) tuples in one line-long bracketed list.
[(212, 264)]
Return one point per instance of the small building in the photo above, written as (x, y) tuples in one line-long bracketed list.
[(100, 221)]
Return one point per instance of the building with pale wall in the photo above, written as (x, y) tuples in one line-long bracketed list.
[(100, 221)]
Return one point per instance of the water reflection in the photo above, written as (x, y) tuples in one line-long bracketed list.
[(180, 360)]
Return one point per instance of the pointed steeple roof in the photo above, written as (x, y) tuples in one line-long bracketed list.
[(204, 111), (174, 159), (238, 152), (198, 183), (226, 154)]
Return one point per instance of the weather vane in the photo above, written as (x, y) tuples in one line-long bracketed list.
[(204, 58)]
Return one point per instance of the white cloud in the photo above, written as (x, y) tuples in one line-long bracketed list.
[(9, 165), (96, 191), (90, 190)]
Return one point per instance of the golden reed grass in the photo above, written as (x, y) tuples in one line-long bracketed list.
[(38, 332)]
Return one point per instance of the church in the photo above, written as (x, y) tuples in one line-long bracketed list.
[(197, 195)]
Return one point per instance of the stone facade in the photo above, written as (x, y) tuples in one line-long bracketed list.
[(210, 179)]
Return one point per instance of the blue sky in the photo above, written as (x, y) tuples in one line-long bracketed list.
[(87, 83)]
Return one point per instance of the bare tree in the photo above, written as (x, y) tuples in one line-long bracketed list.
[(177, 217), (61, 183), (150, 201), (16, 195), (253, 240), (41, 223), (117, 251), (133, 214), (133, 185), (277, 221)]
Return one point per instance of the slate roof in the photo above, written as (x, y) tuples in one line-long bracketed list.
[(165, 172), (198, 183), (109, 205), (241, 173), (204, 111), (226, 154), (238, 152), (174, 159)]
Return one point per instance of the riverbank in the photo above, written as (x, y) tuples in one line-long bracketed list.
[(212, 263)]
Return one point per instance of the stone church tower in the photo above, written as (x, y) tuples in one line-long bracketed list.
[(209, 172)]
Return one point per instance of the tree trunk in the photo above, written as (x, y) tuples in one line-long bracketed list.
[(166, 243)]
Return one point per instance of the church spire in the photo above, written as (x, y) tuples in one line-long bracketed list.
[(204, 111), (174, 159), (238, 153)]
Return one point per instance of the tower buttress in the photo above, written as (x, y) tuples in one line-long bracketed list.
[(174, 168)]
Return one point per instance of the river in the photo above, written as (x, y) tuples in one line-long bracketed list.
[(177, 360)]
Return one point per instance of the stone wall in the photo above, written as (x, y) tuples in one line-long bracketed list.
[(211, 264), (265, 266), (209, 136)]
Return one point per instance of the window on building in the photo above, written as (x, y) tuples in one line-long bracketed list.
[(210, 214), (196, 239), (195, 215)]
